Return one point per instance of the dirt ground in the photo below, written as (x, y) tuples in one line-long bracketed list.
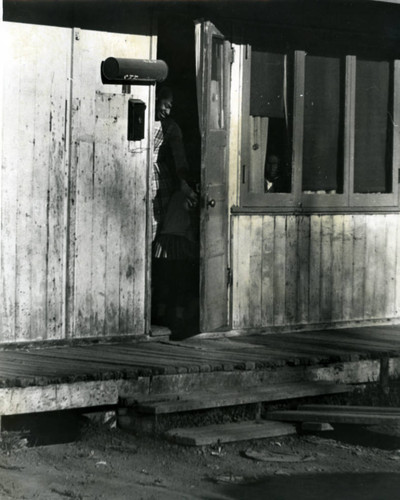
[(107, 463)]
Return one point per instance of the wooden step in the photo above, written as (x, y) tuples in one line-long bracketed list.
[(363, 415), (228, 433), (203, 400)]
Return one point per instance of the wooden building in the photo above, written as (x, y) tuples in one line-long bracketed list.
[(316, 84)]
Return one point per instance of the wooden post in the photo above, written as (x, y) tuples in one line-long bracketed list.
[(258, 411), (384, 374)]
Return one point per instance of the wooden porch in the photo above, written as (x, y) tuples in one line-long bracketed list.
[(90, 374)]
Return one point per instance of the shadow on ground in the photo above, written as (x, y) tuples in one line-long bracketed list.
[(371, 486)]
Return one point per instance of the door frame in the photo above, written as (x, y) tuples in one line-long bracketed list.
[(152, 100), (206, 31)]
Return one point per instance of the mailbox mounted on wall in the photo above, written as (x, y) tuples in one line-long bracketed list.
[(136, 109), (119, 71), (127, 72)]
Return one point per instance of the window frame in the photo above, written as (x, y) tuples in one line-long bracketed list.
[(316, 202)]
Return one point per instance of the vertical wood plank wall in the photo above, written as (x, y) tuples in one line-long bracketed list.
[(73, 193), (108, 177), (314, 269), (34, 169)]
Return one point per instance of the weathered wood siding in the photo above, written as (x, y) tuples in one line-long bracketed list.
[(108, 194), (314, 269), (33, 180), (73, 189)]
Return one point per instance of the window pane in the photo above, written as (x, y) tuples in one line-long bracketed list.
[(373, 130), (217, 119), (323, 125), (267, 84), (270, 158)]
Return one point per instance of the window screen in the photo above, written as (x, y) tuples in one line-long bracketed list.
[(323, 125), (267, 84), (373, 128), (270, 158)]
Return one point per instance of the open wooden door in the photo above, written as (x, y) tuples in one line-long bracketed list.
[(213, 58)]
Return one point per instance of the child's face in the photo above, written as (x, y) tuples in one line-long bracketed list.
[(163, 108), (272, 167)]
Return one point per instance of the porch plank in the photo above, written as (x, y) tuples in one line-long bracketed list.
[(129, 360), (54, 397), (228, 433), (203, 400), (376, 410), (347, 341), (337, 414)]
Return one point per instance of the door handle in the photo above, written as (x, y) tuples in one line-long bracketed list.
[(210, 203)]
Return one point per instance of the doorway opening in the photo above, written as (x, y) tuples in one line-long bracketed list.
[(175, 269)]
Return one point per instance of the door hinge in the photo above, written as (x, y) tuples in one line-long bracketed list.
[(232, 55), (229, 279)]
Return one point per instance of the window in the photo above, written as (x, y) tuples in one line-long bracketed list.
[(323, 125), (217, 119), (373, 127), (320, 131)]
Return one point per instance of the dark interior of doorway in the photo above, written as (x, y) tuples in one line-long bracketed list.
[(176, 46)]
